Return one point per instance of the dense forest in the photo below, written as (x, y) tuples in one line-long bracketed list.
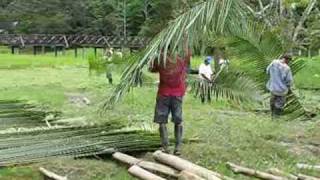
[(148, 17)]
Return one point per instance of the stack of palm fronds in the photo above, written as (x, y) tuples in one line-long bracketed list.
[(36, 145), (15, 114)]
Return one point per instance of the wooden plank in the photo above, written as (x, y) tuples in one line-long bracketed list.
[(143, 174), (51, 175)]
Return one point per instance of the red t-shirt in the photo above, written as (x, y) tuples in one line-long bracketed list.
[(172, 76)]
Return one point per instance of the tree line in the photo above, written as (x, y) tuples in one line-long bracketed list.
[(296, 19)]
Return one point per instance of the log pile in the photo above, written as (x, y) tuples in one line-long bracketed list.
[(169, 166), (172, 167)]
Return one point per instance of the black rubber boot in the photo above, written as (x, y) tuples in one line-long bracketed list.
[(164, 138), (178, 133)]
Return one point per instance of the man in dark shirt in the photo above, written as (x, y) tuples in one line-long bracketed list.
[(172, 88)]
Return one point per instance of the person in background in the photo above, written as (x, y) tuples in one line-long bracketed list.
[(205, 70), (205, 75), (224, 64), (171, 90), (279, 84)]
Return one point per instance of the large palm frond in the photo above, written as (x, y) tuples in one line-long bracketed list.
[(257, 50), (231, 85), (214, 16)]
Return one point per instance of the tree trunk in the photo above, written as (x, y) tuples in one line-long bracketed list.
[(278, 172), (143, 174), (305, 177), (304, 17), (181, 164), (186, 175), (150, 166), (309, 167), (252, 172), (51, 175)]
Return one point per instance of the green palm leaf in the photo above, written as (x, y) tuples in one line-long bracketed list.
[(214, 16), (231, 85), (257, 50)]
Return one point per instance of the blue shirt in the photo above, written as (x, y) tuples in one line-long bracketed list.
[(280, 78)]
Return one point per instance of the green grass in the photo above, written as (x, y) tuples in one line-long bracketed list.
[(8, 61), (309, 77), (226, 132)]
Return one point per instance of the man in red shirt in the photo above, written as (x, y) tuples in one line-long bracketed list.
[(171, 90)]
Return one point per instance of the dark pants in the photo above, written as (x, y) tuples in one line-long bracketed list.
[(277, 104), (166, 105)]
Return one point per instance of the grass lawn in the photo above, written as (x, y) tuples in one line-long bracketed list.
[(227, 133)]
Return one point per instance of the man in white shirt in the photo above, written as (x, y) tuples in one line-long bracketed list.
[(205, 70), (205, 75)]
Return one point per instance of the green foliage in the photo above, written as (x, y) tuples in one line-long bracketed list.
[(230, 85)]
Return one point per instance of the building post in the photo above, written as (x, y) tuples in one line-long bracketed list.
[(43, 49), (55, 51), (95, 52), (35, 50), (75, 52)]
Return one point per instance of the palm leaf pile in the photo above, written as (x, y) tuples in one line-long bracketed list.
[(33, 141), (15, 114), (34, 146)]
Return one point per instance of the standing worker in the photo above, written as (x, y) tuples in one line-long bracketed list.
[(205, 70), (279, 84), (205, 75), (172, 88)]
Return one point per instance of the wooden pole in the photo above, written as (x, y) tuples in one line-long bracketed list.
[(63, 50), (51, 175), (12, 49), (95, 52), (181, 164), (43, 49), (305, 177), (34, 50), (143, 174), (55, 51), (252, 172), (186, 175), (150, 166), (309, 167), (280, 173), (75, 52)]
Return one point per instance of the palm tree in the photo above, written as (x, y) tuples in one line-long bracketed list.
[(228, 19)]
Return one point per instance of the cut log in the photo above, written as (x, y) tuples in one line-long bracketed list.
[(150, 166), (182, 164), (309, 167), (186, 175), (280, 173), (51, 175), (305, 177), (252, 172), (143, 174)]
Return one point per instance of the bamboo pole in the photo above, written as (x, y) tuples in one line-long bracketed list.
[(309, 167), (252, 172), (150, 166), (305, 177), (186, 175), (51, 175), (278, 172), (182, 164), (143, 174)]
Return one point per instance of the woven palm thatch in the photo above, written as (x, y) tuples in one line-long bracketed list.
[(38, 145)]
